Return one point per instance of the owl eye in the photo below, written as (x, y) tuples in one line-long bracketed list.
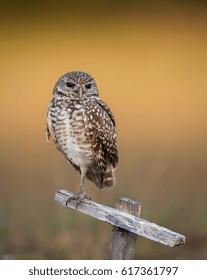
[(88, 86), (70, 85)]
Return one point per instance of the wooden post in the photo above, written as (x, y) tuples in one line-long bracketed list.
[(123, 220), (123, 242)]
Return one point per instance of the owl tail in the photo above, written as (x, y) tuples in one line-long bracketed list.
[(102, 180), (109, 179)]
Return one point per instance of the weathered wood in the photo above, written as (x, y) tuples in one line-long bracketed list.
[(123, 242), (123, 220)]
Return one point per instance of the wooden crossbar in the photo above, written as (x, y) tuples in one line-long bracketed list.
[(122, 220)]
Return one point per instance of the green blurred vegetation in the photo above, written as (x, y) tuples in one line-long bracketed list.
[(150, 63)]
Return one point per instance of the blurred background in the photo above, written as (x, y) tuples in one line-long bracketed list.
[(149, 59)]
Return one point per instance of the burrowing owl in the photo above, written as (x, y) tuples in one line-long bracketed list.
[(83, 129)]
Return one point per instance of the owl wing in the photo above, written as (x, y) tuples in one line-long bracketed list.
[(108, 133), (101, 130), (49, 127), (108, 110)]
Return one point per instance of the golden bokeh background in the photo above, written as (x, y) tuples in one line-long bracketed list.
[(149, 59)]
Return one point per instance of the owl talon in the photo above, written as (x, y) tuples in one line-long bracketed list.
[(79, 197)]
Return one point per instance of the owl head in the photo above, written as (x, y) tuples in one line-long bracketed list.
[(75, 85)]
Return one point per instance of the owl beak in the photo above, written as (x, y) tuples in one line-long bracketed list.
[(80, 91)]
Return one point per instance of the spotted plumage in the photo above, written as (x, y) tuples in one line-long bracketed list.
[(83, 129)]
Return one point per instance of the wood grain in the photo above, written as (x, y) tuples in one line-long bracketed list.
[(123, 242), (123, 220)]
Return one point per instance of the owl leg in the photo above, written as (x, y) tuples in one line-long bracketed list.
[(80, 196)]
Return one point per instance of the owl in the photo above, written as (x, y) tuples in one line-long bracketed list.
[(83, 129)]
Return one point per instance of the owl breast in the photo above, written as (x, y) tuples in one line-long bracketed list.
[(70, 134)]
